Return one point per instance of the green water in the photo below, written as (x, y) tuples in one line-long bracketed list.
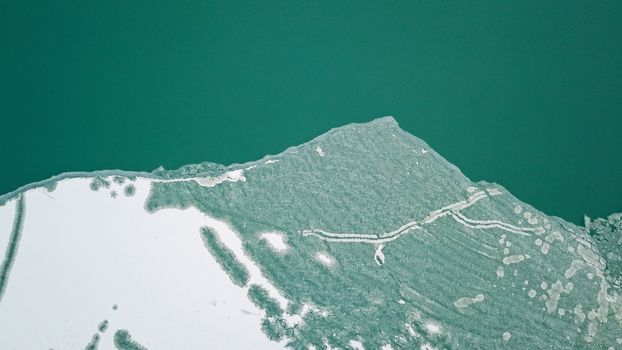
[(526, 95)]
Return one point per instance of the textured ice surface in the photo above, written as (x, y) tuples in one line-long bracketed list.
[(363, 238)]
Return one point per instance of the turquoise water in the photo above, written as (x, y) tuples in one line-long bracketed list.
[(526, 95)]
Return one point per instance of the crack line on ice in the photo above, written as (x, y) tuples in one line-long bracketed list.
[(452, 209)]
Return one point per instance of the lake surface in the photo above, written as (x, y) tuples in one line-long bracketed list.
[(526, 95)]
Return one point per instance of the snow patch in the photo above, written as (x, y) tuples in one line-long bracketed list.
[(276, 241)]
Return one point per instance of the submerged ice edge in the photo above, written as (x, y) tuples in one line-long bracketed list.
[(267, 159), (13, 245)]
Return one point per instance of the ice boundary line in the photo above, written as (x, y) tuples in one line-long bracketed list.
[(266, 159), (11, 249), (452, 209)]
